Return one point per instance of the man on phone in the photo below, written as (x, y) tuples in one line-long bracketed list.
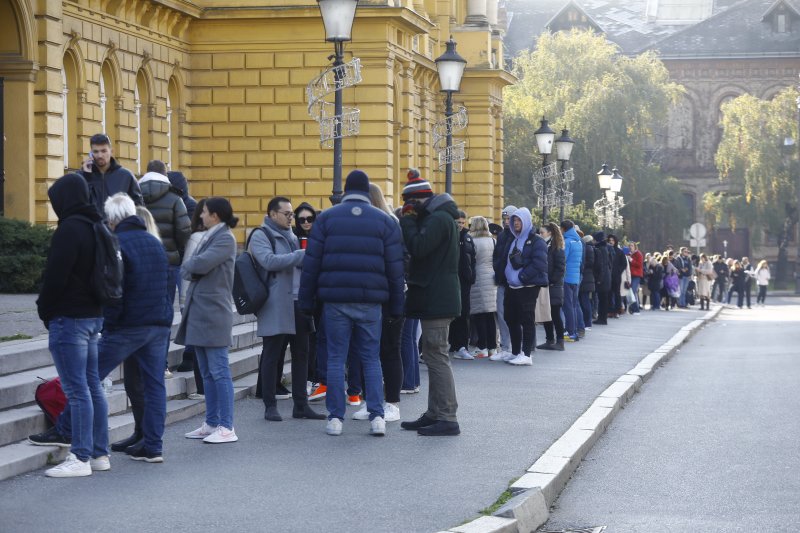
[(105, 176)]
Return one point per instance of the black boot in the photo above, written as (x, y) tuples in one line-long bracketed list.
[(420, 422), (440, 429), (558, 346), (547, 345), (135, 448), (272, 414), (122, 445), (304, 411)]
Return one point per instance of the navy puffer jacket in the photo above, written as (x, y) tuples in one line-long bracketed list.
[(145, 298), (354, 255)]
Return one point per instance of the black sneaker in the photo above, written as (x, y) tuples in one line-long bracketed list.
[(51, 437), (420, 422), (122, 445), (440, 429), (282, 393), (148, 457)]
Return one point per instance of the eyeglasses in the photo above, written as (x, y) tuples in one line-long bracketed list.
[(287, 214), (305, 220)]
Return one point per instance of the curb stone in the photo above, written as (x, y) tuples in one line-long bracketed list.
[(536, 491)]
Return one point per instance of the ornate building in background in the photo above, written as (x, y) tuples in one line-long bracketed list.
[(217, 89)]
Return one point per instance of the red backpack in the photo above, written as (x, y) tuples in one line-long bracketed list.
[(50, 398)]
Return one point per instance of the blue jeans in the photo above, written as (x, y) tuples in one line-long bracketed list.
[(635, 282), (409, 351), (218, 384), (571, 308), (357, 328), (502, 326), (354, 371), (146, 345), (684, 286), (585, 299), (73, 344)]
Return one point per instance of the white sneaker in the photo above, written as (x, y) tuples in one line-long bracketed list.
[(498, 356), (100, 464), (391, 413), (492, 352), (508, 356), (462, 353), (71, 467), (167, 374), (377, 427), (361, 414), (221, 435), (202, 432), (480, 354), (520, 360), (196, 396), (334, 427)]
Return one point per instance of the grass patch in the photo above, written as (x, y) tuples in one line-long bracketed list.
[(15, 337), (501, 500)]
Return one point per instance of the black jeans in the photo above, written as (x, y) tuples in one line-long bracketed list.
[(271, 354), (602, 307), (486, 329), (458, 335), (519, 307), (555, 313), (762, 294), (134, 388), (391, 360)]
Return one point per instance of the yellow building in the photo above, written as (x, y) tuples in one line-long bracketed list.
[(217, 89)]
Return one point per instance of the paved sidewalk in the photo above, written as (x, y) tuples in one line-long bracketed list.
[(290, 476), (18, 315), (709, 444)]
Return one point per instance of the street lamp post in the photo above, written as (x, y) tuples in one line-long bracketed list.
[(725, 248), (544, 142), (564, 146), (451, 67), (337, 17), (608, 206)]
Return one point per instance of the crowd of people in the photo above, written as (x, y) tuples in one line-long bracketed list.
[(358, 293)]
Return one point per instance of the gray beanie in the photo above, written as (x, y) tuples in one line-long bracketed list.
[(509, 210)]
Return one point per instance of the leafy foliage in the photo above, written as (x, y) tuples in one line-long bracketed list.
[(609, 102), (23, 254)]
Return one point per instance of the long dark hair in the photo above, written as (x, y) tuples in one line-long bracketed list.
[(222, 208), (555, 234), (197, 221)]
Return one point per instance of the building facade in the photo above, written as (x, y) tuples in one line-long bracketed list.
[(218, 90)]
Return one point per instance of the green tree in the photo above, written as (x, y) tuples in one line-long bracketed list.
[(759, 167), (610, 103)]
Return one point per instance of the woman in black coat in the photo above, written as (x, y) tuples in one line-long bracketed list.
[(556, 266), (655, 281), (587, 282), (602, 276)]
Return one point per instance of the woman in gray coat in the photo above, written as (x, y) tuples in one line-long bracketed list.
[(276, 249), (208, 319), (483, 296)]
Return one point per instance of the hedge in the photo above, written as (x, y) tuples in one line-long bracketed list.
[(23, 254)]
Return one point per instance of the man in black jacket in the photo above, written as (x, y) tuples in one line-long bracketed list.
[(105, 176), (602, 278), (459, 328)]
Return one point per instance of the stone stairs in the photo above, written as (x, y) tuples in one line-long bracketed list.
[(22, 363)]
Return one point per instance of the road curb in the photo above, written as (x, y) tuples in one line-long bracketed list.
[(537, 490)]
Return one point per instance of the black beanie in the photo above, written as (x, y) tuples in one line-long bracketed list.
[(357, 182)]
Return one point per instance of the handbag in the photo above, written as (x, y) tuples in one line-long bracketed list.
[(250, 290), (542, 312)]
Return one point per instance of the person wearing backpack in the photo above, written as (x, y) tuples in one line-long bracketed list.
[(73, 315), (277, 251)]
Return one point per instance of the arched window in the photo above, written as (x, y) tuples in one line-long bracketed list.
[(173, 107), (69, 95), (65, 117), (141, 106), (108, 110)]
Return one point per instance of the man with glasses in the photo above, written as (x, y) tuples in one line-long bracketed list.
[(105, 176)]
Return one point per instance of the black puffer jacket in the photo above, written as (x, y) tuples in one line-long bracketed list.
[(587, 279), (602, 263), (66, 290), (556, 267), (169, 211)]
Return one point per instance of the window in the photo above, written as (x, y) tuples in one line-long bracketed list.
[(141, 107), (108, 116), (781, 23), (65, 117), (69, 112), (173, 107)]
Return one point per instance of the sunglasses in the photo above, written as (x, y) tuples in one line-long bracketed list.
[(305, 220)]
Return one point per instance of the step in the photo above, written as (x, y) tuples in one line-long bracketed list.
[(18, 388), (18, 356), (16, 424), (22, 457)]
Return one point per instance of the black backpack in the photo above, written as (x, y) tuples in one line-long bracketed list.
[(250, 290), (108, 272)]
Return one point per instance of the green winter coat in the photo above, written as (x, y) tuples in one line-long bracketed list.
[(431, 239)]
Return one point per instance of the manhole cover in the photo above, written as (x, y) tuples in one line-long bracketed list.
[(595, 529)]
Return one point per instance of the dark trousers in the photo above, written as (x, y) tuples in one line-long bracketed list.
[(603, 303), (198, 379), (271, 351), (486, 330), (458, 336), (519, 307), (557, 323), (614, 295), (718, 289), (134, 388), (391, 360), (762, 294), (585, 299)]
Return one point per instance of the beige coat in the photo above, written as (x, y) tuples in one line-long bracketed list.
[(704, 271)]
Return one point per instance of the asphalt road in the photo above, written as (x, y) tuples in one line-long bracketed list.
[(290, 476), (711, 442)]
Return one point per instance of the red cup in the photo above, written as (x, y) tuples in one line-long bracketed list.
[(303, 243)]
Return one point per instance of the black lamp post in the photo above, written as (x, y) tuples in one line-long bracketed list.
[(451, 67), (564, 146), (544, 142), (337, 16)]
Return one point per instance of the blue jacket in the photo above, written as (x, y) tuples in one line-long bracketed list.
[(573, 252), (354, 255), (145, 299), (534, 255)]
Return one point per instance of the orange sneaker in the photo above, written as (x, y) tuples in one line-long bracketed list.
[(318, 393), (354, 400)]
